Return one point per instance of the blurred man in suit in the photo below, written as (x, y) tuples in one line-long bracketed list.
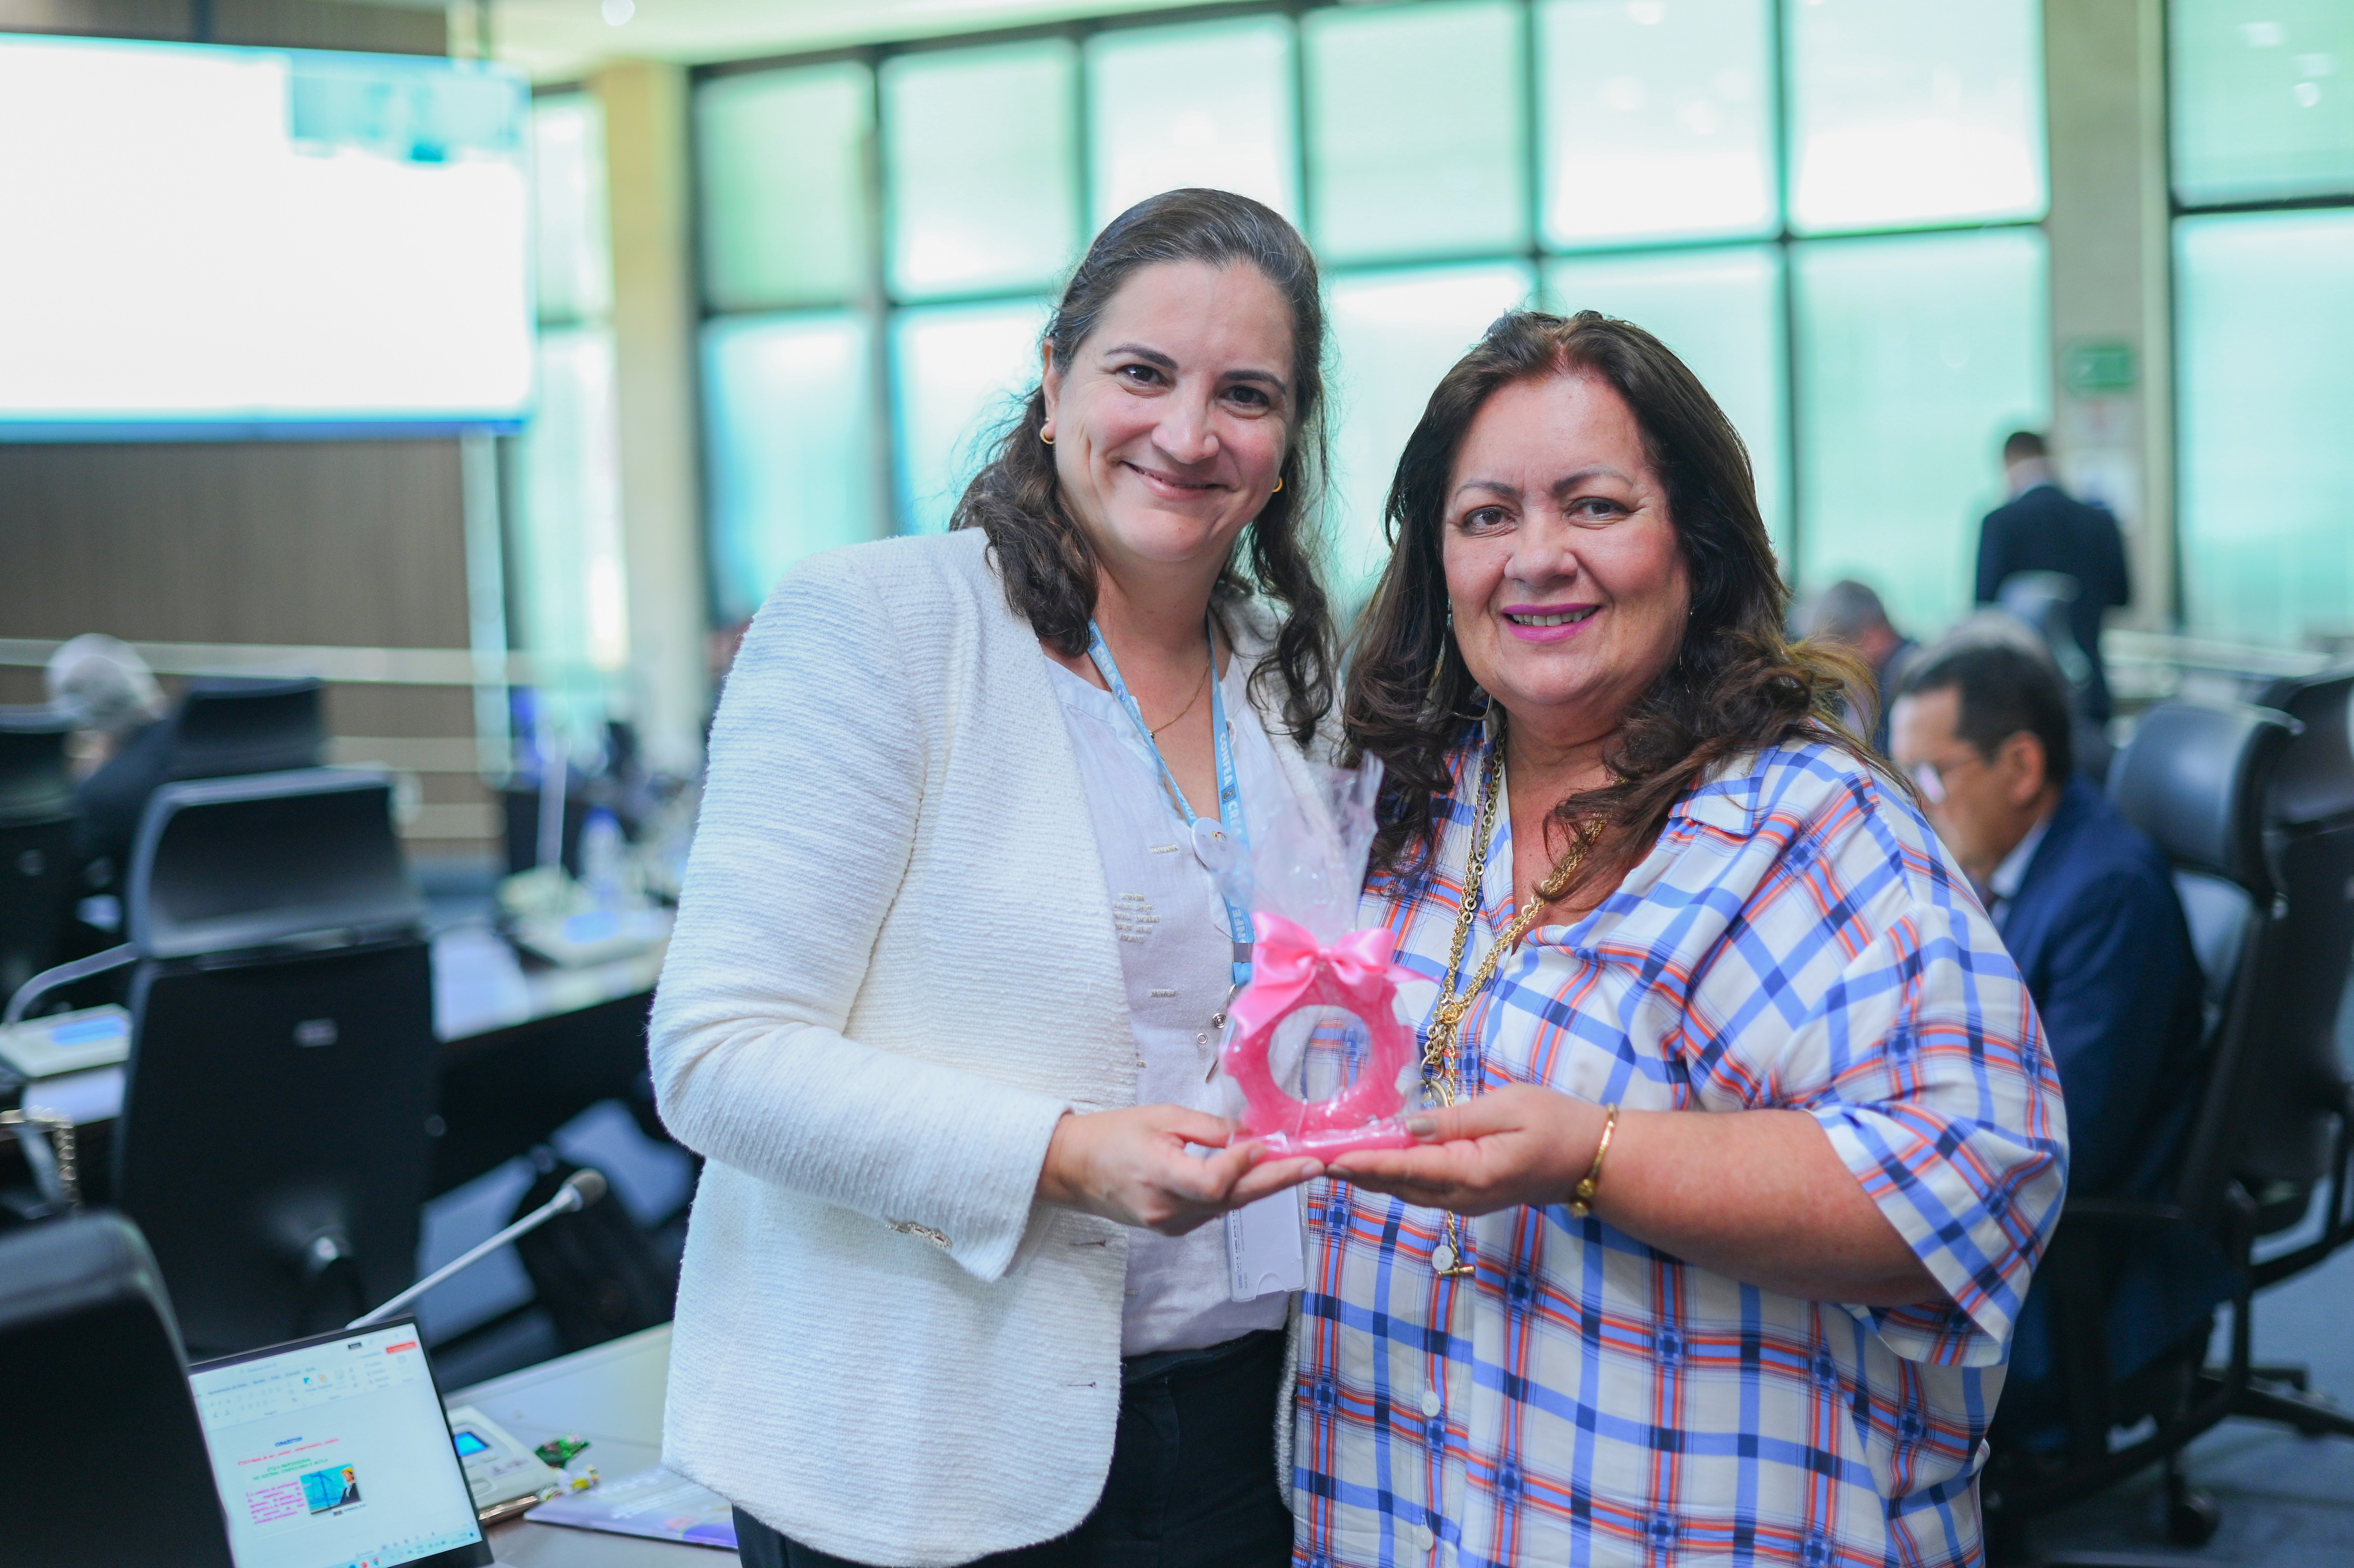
[(2042, 528), (2086, 902), (1848, 612)]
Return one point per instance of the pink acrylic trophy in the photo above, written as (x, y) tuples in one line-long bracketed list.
[(1318, 985)]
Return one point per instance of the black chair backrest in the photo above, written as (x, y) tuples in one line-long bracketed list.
[(2316, 787), (2311, 821), (272, 859), (36, 898), (36, 831), (227, 726), (2197, 779), (34, 784), (102, 1460), (273, 1140)]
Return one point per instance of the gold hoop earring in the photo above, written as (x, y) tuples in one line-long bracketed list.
[(1046, 437), (1279, 486)]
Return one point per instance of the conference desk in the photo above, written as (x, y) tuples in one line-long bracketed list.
[(482, 985), (613, 1395), (524, 1048)]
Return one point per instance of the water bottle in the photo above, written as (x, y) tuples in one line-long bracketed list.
[(600, 857)]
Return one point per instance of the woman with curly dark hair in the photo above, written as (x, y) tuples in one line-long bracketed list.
[(1740, 1140), (952, 961)]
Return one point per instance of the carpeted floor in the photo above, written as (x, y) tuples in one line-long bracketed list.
[(2287, 1501)]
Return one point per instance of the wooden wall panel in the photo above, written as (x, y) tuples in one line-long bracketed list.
[(263, 24), (167, 19), (339, 542), (327, 25)]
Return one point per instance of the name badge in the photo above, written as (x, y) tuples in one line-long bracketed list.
[(1265, 1250)]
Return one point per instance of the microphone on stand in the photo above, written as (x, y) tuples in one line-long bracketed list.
[(580, 1189)]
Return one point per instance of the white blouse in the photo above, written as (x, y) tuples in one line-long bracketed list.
[(1177, 955)]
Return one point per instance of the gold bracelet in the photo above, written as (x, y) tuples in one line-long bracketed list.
[(1580, 1197)]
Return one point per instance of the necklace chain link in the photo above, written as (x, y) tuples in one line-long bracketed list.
[(1199, 687), (1442, 1055)]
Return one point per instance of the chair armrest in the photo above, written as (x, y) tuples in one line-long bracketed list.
[(2113, 1215), (2121, 1212)]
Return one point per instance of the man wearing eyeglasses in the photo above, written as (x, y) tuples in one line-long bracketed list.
[(2086, 902)]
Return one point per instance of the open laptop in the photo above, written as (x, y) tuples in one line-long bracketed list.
[(334, 1452)]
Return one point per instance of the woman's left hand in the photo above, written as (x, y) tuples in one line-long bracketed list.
[(1518, 1144)]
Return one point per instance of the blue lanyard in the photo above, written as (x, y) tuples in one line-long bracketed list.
[(1230, 795)]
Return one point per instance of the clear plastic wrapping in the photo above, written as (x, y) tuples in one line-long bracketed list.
[(1321, 1014)]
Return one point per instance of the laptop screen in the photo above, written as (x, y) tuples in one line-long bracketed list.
[(333, 1453)]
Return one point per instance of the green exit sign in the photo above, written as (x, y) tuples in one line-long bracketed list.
[(2097, 369)]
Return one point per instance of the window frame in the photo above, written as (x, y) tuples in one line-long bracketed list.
[(572, 689), (877, 297), (2177, 210)]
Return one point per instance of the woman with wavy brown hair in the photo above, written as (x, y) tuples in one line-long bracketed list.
[(952, 963), (1741, 1139)]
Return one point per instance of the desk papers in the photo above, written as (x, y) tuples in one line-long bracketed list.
[(654, 1504)]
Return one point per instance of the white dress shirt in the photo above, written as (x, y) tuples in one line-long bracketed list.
[(1176, 954), (2003, 886)]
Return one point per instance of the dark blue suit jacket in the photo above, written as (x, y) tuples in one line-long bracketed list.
[(2100, 938), (2047, 530), (2098, 934)]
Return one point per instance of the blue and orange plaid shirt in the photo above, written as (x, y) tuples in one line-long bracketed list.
[(1796, 939)]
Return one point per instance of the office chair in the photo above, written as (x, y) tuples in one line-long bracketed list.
[(227, 726), (273, 1141), (102, 1461), (36, 831), (2200, 782), (596, 1274), (2042, 602), (222, 727), (2301, 1132)]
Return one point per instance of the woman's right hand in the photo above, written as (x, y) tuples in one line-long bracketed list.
[(1136, 1166)]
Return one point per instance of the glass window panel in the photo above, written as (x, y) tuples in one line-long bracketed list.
[(1916, 356), (981, 160), (789, 409), (1907, 112), (1393, 335), (1721, 310), (958, 373), (563, 532), (1414, 125), (783, 192), (2266, 330), (1658, 119), (2264, 98), (571, 241), (1203, 105)]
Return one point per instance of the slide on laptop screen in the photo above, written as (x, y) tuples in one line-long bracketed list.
[(333, 1453)]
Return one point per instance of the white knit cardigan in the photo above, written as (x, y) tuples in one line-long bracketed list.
[(894, 970)]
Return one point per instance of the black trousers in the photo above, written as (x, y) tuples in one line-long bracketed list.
[(1192, 1482)]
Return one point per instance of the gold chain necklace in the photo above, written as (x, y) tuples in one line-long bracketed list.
[(1442, 1054), (1199, 687)]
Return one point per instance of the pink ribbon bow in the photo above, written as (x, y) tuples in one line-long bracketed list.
[(1287, 960), (1290, 969)]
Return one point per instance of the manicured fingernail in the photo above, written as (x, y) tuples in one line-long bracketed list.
[(1422, 1126)]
